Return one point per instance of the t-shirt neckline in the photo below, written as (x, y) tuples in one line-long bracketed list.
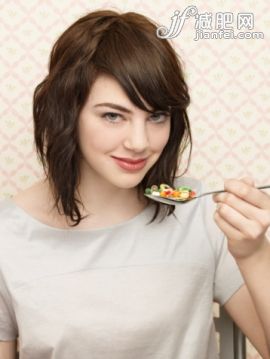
[(39, 224)]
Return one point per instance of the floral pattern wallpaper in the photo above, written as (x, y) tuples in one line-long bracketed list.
[(224, 46)]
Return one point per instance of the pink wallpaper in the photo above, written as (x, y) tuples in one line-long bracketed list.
[(228, 79)]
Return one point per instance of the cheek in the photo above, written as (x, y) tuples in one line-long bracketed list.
[(96, 138), (160, 139)]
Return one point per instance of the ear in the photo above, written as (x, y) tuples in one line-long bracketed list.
[(248, 180)]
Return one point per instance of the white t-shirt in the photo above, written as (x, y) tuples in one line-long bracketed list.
[(130, 290)]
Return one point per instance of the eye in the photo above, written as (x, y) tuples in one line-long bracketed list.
[(159, 117), (111, 117)]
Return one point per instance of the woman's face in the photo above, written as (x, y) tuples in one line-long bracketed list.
[(107, 133)]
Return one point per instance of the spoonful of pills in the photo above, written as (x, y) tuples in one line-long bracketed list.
[(183, 194)]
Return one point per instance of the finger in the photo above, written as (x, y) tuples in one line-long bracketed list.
[(248, 180), (236, 219), (245, 209), (230, 231), (238, 243), (245, 191)]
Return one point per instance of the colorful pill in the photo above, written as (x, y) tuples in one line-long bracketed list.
[(181, 193)]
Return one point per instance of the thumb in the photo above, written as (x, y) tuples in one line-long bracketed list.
[(248, 180)]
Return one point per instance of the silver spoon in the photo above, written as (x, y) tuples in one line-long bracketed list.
[(177, 201)]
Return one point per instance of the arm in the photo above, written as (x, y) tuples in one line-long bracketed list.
[(244, 216), (256, 273), (8, 349), (242, 310)]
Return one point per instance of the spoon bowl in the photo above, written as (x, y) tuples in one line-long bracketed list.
[(168, 200), (174, 201)]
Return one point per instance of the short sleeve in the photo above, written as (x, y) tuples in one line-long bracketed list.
[(8, 326), (228, 278)]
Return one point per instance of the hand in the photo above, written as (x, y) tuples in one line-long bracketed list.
[(243, 215)]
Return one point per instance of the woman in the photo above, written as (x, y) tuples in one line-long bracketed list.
[(87, 270)]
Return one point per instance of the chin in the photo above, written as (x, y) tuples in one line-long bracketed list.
[(128, 183)]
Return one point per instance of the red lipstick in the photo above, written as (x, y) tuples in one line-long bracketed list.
[(129, 163)]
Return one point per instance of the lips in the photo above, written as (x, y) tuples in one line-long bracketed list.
[(130, 164), (129, 160)]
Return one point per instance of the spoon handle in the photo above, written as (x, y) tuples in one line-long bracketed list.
[(221, 191)]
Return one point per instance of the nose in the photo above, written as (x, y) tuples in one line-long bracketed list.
[(137, 136)]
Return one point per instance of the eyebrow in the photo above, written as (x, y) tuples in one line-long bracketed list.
[(115, 106)]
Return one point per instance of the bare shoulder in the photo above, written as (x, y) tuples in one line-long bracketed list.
[(32, 199), (37, 202)]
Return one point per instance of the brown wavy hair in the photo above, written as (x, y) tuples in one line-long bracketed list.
[(124, 45)]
